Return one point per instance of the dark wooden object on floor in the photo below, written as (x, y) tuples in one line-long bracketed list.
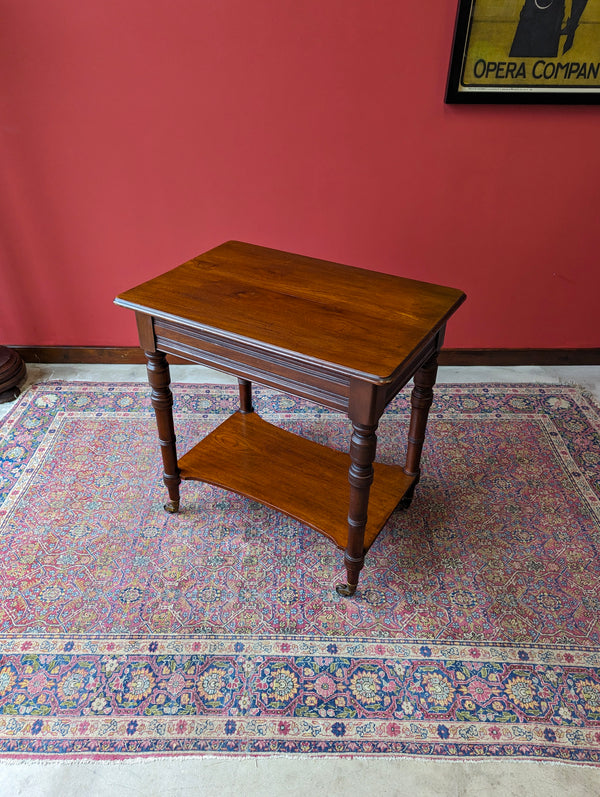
[(344, 337), (12, 373)]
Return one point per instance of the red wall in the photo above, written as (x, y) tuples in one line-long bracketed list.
[(136, 134)]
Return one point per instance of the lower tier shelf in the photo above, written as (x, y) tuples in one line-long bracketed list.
[(299, 477)]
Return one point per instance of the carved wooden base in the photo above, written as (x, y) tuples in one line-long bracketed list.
[(12, 374)]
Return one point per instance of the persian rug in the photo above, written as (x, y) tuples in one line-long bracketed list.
[(127, 631)]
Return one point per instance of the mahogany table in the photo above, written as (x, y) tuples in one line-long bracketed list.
[(343, 337)]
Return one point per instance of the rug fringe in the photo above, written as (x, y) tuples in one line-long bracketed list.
[(371, 760)]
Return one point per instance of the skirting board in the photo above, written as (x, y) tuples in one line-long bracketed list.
[(477, 357)]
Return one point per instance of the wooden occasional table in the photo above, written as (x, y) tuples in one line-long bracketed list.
[(343, 337)]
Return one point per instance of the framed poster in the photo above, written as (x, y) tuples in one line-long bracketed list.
[(526, 51)]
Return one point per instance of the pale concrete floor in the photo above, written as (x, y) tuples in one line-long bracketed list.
[(297, 777)]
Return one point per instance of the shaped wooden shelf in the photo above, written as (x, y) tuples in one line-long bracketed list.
[(299, 477)]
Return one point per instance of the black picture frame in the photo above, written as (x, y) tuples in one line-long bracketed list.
[(498, 52)]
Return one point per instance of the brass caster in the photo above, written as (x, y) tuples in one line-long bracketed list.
[(172, 507), (346, 590)]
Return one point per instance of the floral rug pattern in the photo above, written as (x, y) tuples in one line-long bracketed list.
[(126, 631)]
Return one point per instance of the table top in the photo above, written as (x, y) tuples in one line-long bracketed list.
[(359, 321)]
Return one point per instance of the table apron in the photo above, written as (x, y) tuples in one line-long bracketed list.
[(317, 383), (405, 373)]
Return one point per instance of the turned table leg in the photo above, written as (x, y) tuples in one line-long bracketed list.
[(245, 396), (421, 400), (362, 453), (162, 401)]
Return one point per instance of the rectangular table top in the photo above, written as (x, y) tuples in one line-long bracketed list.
[(358, 321)]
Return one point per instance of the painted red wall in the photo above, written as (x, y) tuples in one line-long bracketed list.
[(136, 134)]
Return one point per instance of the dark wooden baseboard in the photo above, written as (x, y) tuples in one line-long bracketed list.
[(112, 355), (97, 355), (507, 357)]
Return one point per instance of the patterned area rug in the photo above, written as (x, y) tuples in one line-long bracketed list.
[(126, 631)]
